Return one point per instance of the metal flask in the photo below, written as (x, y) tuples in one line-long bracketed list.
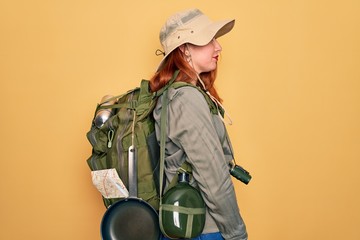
[(177, 224), (103, 114)]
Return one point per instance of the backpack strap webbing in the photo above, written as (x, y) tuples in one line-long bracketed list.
[(163, 124)]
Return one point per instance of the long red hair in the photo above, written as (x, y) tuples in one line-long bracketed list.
[(176, 61)]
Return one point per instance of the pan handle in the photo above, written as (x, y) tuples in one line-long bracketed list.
[(132, 171)]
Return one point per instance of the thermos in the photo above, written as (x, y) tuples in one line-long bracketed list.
[(103, 114)]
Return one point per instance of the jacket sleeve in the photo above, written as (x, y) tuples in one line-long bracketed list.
[(190, 126)]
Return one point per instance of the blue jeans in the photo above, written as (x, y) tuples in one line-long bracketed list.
[(206, 236)]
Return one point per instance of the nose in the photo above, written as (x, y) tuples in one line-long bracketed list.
[(217, 45)]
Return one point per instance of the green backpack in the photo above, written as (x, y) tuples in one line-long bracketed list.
[(131, 123), (112, 140)]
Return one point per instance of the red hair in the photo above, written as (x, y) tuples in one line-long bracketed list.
[(176, 61)]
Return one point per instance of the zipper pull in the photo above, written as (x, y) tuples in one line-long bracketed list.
[(110, 138)]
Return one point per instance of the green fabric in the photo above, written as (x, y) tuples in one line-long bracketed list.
[(180, 209), (111, 142)]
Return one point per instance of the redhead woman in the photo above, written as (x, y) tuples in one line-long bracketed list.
[(194, 134)]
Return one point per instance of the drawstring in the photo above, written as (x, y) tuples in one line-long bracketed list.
[(158, 52), (217, 103)]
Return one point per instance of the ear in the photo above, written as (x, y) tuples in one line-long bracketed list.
[(182, 48), (185, 49)]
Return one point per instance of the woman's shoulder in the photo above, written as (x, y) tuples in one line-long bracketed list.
[(186, 92), (184, 99)]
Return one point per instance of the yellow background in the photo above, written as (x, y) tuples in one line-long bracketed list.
[(289, 75)]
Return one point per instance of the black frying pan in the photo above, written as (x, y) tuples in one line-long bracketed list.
[(131, 218)]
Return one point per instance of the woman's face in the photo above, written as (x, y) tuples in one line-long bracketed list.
[(204, 58)]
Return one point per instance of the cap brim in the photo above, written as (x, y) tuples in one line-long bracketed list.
[(214, 30)]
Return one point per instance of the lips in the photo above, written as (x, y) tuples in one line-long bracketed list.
[(216, 58)]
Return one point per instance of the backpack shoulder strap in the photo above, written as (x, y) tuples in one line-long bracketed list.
[(171, 82)]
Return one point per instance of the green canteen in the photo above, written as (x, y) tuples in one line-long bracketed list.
[(183, 210)]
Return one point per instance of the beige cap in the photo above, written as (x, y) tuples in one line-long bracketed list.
[(191, 26)]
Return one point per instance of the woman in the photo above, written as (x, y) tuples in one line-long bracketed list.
[(194, 134)]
